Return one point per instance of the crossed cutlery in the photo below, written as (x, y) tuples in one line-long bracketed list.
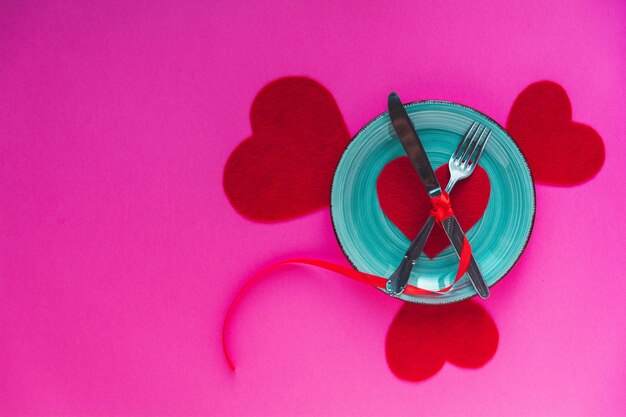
[(461, 165)]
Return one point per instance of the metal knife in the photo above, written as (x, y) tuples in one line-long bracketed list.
[(418, 158)]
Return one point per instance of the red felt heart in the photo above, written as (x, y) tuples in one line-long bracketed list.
[(285, 169), (405, 201), (422, 338), (558, 150)]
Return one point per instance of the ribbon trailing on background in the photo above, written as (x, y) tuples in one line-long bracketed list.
[(441, 210)]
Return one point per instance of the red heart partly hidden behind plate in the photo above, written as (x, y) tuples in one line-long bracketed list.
[(559, 151), (405, 201), (422, 338), (285, 169)]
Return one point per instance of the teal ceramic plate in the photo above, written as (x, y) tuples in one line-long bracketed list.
[(373, 244)]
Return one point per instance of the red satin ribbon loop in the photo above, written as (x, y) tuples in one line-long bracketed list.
[(464, 259)]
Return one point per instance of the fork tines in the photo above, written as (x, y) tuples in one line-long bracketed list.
[(473, 144)]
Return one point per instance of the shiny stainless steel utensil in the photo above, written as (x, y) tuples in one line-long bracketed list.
[(461, 164), (464, 160)]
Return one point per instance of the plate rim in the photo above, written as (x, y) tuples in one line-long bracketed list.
[(417, 299)]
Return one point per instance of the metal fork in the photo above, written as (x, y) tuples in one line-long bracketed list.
[(463, 162), (461, 165)]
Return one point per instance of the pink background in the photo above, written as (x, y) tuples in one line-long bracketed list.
[(119, 252)]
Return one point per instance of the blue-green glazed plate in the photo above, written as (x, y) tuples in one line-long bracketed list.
[(373, 244)]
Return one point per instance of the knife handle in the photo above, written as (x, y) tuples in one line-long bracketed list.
[(453, 229), (400, 277)]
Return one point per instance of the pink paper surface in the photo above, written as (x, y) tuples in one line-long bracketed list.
[(120, 253)]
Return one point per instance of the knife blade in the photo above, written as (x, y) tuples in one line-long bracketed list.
[(412, 145), (419, 160)]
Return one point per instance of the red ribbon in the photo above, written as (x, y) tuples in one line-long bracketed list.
[(373, 280), (441, 211)]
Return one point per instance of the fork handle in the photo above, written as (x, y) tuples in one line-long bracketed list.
[(454, 232), (453, 180), (400, 277)]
